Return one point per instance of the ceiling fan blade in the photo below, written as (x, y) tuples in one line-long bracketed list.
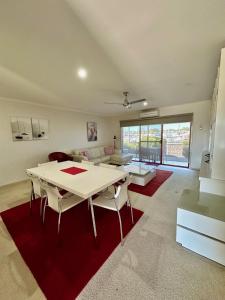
[(137, 101), (117, 103)]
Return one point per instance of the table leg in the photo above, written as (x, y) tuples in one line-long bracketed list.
[(93, 216)]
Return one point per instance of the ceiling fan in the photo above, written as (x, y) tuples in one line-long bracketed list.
[(128, 104)]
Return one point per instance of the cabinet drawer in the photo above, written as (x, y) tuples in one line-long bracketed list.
[(200, 223), (201, 244)]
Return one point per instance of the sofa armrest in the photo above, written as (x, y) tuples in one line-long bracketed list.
[(70, 156), (118, 151), (79, 158)]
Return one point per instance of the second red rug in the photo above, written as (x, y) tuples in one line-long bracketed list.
[(153, 185)]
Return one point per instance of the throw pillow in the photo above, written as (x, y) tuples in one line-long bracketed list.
[(84, 153), (109, 150)]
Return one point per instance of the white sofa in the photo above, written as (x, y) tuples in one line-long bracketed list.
[(98, 155)]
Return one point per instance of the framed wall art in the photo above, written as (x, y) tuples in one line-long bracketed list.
[(39, 129), (92, 131), (21, 129)]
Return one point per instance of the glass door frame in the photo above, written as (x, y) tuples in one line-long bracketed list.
[(161, 144), (148, 142)]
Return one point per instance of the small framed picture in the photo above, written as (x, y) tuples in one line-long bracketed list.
[(91, 131), (21, 129), (40, 129)]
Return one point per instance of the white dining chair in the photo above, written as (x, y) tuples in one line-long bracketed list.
[(115, 184), (115, 201), (87, 162), (59, 203), (49, 163), (107, 166), (36, 190)]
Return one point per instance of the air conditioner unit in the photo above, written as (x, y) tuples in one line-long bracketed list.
[(150, 113)]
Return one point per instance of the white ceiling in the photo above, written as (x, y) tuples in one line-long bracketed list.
[(164, 50)]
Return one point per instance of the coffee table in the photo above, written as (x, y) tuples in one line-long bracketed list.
[(141, 173)]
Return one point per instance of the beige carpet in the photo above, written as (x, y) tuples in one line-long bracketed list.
[(149, 266)]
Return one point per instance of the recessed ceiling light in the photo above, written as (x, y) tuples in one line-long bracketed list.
[(145, 103), (82, 73)]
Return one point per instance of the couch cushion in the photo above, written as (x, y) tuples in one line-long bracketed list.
[(101, 151), (121, 158), (101, 159), (109, 150), (93, 153), (81, 153), (105, 158), (76, 152)]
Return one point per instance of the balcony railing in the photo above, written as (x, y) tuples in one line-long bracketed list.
[(172, 154)]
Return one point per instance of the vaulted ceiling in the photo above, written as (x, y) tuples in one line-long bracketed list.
[(164, 50)]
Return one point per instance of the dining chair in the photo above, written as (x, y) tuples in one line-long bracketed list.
[(49, 163), (111, 167), (107, 166), (87, 162), (36, 190), (59, 203), (59, 156), (115, 201)]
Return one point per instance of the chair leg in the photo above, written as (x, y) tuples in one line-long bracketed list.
[(31, 195), (59, 219), (45, 204), (93, 217), (31, 198), (41, 206), (131, 211), (121, 227)]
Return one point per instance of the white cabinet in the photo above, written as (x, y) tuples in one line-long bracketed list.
[(201, 224), (213, 181), (201, 213), (217, 140)]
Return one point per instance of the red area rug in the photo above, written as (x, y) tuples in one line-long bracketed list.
[(63, 266), (153, 185)]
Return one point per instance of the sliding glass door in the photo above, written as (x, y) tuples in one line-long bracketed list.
[(131, 140), (176, 144), (167, 143), (150, 143)]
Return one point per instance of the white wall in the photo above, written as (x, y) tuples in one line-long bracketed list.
[(67, 130), (199, 142)]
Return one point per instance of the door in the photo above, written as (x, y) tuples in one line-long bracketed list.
[(176, 144), (130, 140), (167, 144), (150, 143)]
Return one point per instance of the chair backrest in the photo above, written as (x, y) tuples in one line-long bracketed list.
[(36, 184), (53, 195), (59, 156), (54, 162), (107, 166), (121, 195), (88, 162)]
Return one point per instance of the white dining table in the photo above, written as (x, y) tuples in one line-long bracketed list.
[(85, 184)]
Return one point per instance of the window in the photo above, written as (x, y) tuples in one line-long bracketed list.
[(163, 143)]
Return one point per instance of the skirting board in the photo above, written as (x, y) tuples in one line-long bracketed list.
[(13, 183)]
